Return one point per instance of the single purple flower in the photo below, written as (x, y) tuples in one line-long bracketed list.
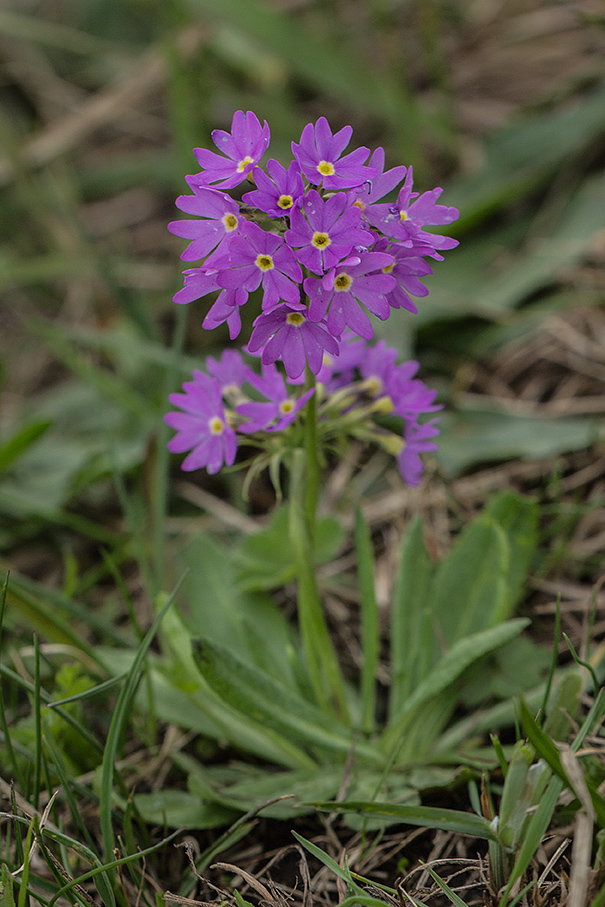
[(416, 441), (278, 195), (230, 370), (286, 333), (404, 221), (254, 257), (202, 428), (279, 411), (324, 232), (319, 156), (243, 148), (340, 292), (221, 215)]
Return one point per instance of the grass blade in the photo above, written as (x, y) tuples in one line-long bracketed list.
[(37, 708), (431, 816), (117, 726), (454, 898), (14, 765), (536, 829)]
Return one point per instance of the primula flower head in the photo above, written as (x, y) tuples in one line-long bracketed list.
[(243, 148), (327, 250)]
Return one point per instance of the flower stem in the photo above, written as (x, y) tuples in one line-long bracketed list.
[(311, 457), (324, 670)]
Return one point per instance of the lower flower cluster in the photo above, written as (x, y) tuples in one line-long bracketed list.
[(230, 403)]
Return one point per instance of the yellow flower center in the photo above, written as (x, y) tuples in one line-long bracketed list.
[(373, 385), (230, 222), (359, 204), (403, 215), (264, 262), (326, 168), (295, 318), (342, 282), (388, 268), (286, 407), (216, 426), (321, 240), (285, 202), (244, 163)]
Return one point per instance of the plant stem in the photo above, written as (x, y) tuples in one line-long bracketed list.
[(324, 670), (312, 458)]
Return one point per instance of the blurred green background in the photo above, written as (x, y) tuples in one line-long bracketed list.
[(501, 102)]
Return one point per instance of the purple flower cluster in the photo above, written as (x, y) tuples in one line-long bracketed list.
[(329, 250), (230, 402)]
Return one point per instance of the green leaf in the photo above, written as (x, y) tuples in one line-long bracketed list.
[(518, 516), (181, 696), (518, 666), (533, 837), (177, 808), (266, 559), (548, 751), (273, 707), (562, 707), (542, 743), (327, 860), (469, 592), (411, 644), (7, 898), (13, 448), (524, 155), (425, 697), (248, 624), (473, 435), (429, 816)]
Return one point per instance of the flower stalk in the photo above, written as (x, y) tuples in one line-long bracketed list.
[(324, 670)]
